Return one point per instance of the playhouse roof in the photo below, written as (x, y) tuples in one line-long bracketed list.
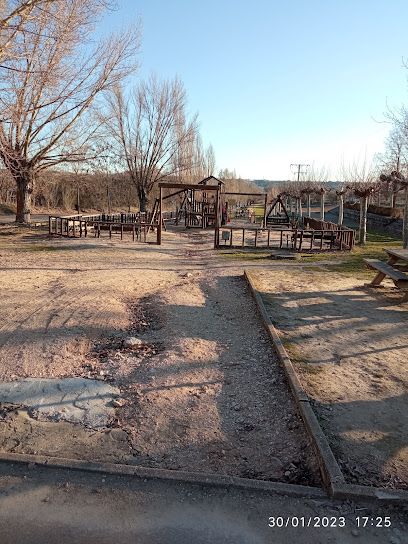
[(206, 181)]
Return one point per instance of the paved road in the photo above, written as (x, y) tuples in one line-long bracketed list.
[(35, 218), (46, 506)]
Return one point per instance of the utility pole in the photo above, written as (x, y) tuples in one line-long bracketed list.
[(299, 169)]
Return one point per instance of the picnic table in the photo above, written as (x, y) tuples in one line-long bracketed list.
[(393, 268)]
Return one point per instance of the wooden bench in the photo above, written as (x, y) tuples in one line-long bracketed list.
[(399, 278)]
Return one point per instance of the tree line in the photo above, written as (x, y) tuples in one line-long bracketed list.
[(66, 104)]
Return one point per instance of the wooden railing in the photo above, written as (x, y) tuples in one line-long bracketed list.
[(345, 237), (273, 238), (74, 226)]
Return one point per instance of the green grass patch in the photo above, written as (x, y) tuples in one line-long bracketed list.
[(11, 232), (251, 255), (294, 352), (312, 268), (353, 262), (258, 210), (310, 368), (7, 210), (37, 247), (301, 360)]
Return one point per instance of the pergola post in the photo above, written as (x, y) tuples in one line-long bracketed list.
[(322, 205), (308, 212), (159, 226), (264, 217), (341, 209), (363, 220)]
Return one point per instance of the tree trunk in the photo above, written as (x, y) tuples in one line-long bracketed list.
[(109, 198), (322, 206), (25, 183), (300, 208), (363, 221), (341, 210), (405, 223), (143, 200), (308, 206)]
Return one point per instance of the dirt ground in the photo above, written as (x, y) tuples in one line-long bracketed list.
[(43, 505), (202, 391), (350, 346)]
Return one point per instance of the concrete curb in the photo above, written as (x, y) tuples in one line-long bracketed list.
[(197, 478), (332, 476)]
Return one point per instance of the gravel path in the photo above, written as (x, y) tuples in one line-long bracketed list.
[(203, 392)]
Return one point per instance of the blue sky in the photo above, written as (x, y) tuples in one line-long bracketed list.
[(277, 83)]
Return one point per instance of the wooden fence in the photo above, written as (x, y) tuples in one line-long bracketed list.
[(137, 225), (273, 238), (345, 237)]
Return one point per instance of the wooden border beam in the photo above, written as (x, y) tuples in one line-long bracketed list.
[(185, 187)]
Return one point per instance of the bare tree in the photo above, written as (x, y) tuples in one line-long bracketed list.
[(362, 181), (210, 161), (395, 157), (397, 179), (340, 192), (13, 17), (49, 113), (317, 181), (151, 131)]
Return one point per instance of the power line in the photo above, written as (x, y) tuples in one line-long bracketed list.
[(299, 171)]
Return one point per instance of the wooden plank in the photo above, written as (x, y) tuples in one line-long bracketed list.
[(387, 270), (398, 253), (174, 194), (401, 267), (186, 186)]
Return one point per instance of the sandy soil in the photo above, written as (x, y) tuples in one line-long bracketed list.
[(203, 392), (350, 346)]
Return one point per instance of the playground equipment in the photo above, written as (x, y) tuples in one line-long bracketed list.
[(277, 215)]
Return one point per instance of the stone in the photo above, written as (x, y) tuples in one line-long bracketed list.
[(76, 400), (132, 342), (275, 463)]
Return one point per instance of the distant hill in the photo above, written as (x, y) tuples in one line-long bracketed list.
[(266, 183)]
